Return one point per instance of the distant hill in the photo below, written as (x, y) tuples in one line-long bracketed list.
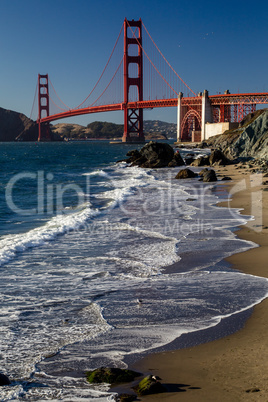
[(153, 129), (16, 126)]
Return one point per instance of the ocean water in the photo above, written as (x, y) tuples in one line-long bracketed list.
[(101, 262)]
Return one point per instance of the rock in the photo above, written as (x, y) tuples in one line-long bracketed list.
[(177, 160), (134, 153), (154, 155), (201, 161), (218, 157), (254, 389), (134, 157), (149, 385), (126, 398), (4, 380), (209, 176), (202, 172), (185, 174), (226, 178), (157, 154), (188, 160), (111, 375), (250, 140), (253, 141)]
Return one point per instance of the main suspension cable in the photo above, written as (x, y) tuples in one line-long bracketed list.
[(166, 60)]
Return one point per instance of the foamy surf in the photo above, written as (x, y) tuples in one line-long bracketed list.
[(90, 288), (11, 245)]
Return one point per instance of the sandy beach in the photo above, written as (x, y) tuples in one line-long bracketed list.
[(233, 368)]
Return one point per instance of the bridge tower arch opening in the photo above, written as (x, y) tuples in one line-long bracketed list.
[(191, 126), (43, 108), (133, 62)]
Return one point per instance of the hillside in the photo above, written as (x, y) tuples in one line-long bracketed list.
[(153, 129), (249, 140), (15, 125)]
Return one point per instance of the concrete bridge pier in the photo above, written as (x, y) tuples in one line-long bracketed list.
[(207, 114), (179, 114)]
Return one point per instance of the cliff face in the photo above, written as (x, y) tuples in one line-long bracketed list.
[(16, 126), (250, 140)]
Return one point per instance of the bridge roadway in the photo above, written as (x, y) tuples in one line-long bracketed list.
[(220, 99)]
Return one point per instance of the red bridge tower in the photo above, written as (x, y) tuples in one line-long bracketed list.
[(133, 118), (43, 105)]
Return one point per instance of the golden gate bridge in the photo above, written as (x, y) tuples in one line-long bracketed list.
[(137, 76)]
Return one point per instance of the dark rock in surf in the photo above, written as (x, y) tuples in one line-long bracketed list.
[(209, 176), (4, 380), (177, 160), (188, 160), (202, 172), (201, 161), (157, 155), (154, 155), (185, 174)]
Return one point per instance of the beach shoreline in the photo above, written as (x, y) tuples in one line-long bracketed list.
[(234, 367)]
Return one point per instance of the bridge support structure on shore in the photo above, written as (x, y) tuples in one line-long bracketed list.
[(203, 116)]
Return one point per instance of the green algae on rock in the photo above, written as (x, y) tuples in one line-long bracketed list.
[(111, 375)]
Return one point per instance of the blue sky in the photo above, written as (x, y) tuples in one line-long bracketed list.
[(214, 45)]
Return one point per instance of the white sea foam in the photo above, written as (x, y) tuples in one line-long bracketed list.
[(10, 245), (86, 285), (100, 172)]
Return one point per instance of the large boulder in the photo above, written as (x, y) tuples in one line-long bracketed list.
[(157, 154), (154, 155), (185, 174)]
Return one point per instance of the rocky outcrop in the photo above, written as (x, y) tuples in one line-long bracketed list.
[(111, 375), (154, 155), (250, 140), (16, 126)]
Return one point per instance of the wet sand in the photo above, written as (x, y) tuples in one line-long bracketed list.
[(235, 367)]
